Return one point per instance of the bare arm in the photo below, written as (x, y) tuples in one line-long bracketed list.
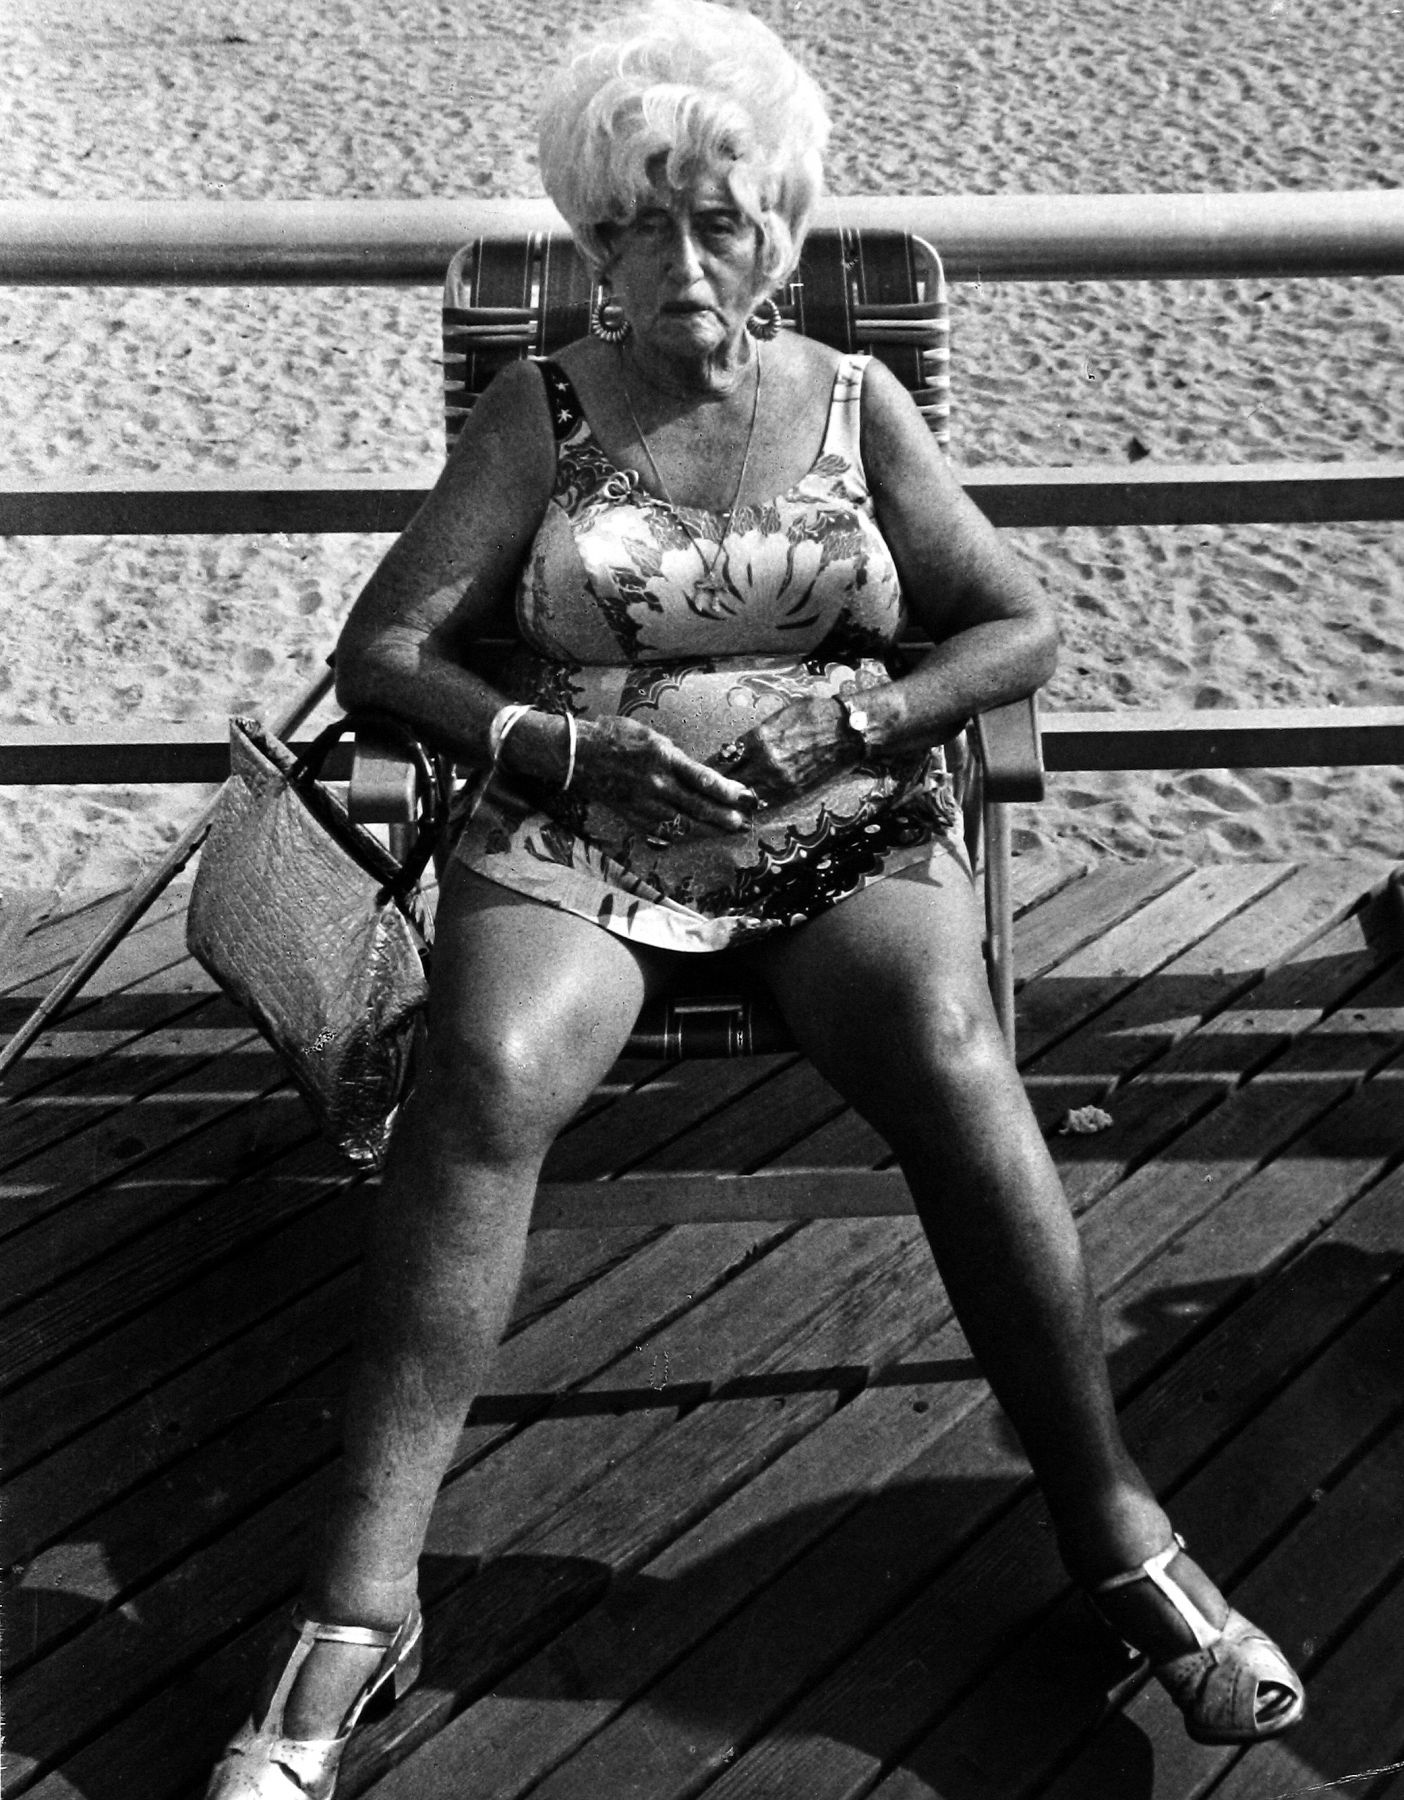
[(450, 579), (994, 633)]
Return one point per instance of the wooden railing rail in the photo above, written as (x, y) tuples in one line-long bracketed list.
[(1150, 493), (982, 237), (1276, 737)]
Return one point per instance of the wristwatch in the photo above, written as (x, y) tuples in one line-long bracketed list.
[(857, 719)]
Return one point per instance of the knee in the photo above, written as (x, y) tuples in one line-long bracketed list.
[(963, 1042), (497, 1097)]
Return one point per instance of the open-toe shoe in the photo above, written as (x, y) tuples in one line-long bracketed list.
[(260, 1763), (1234, 1686)]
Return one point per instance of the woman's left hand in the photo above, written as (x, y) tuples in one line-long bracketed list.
[(803, 745)]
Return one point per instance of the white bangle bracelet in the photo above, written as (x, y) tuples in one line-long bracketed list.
[(504, 720), (572, 736)]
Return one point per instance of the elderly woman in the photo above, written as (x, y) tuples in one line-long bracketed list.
[(707, 538)]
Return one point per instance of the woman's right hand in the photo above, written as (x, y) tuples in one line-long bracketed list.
[(646, 779)]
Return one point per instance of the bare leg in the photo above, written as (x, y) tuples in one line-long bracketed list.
[(887, 994), (529, 1008)]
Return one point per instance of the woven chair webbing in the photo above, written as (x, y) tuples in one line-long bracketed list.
[(878, 291)]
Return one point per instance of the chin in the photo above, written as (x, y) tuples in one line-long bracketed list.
[(690, 331)]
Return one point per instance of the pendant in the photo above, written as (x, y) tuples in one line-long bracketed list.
[(712, 596)]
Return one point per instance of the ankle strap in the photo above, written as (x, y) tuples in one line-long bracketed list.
[(1155, 1570), (366, 1635)]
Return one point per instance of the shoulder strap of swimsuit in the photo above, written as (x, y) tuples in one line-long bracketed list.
[(841, 433), (567, 414)]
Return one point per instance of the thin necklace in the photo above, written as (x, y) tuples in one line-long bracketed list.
[(710, 593)]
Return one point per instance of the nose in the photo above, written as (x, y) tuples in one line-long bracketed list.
[(684, 261)]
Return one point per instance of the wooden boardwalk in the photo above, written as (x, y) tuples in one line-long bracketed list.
[(737, 1515)]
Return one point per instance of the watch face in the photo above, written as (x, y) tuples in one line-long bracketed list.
[(859, 720)]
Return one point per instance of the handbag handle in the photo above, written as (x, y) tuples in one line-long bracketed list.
[(432, 779)]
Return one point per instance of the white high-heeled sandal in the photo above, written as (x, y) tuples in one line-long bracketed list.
[(1225, 1685), (259, 1763)]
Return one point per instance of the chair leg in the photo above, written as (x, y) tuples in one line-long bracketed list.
[(999, 916)]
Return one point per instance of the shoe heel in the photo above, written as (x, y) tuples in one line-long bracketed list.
[(407, 1670), (397, 1683)]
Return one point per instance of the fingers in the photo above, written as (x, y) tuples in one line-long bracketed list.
[(728, 791), (794, 750), (643, 776)]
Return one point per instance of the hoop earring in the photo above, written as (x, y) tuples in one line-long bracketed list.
[(607, 321), (764, 322)]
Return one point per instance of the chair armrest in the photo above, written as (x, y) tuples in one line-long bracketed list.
[(383, 780), (1011, 751)]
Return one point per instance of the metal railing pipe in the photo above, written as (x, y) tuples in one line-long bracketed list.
[(982, 237)]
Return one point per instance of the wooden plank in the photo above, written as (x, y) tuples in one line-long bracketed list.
[(20, 911), (141, 1168), (119, 1057), (166, 1705), (1269, 1218), (172, 1416), (791, 1102), (662, 1488), (1031, 1709), (320, 1237), (1205, 1069), (707, 1199), (225, 1214), (1038, 876), (67, 926), (306, 1176), (864, 1715), (1043, 943), (1115, 961), (617, 1652), (1090, 1064), (760, 1310), (1255, 1121), (541, 1713), (1357, 1703), (155, 942), (293, 1433), (1343, 1549), (1085, 909), (672, 1097), (82, 1196)]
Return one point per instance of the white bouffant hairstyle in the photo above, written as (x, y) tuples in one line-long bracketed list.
[(709, 89)]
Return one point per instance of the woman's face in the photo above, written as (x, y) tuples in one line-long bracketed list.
[(684, 270)]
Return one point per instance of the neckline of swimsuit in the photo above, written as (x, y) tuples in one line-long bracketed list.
[(749, 507)]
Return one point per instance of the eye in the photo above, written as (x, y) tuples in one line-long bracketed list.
[(721, 227), (650, 222)]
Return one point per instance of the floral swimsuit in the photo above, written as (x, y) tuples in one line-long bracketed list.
[(614, 618)]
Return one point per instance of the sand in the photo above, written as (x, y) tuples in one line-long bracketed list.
[(245, 99)]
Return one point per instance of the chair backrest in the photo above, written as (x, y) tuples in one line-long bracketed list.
[(878, 291)]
